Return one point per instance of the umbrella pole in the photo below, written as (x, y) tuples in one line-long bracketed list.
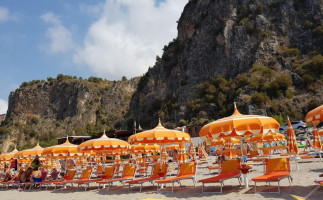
[(241, 149)]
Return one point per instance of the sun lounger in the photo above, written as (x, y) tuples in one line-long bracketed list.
[(276, 169), (157, 173), (86, 174), (320, 184), (229, 169), (186, 171), (69, 176), (128, 173)]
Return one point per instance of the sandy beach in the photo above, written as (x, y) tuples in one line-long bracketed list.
[(303, 183)]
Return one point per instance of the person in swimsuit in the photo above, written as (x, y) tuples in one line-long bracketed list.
[(26, 176), (37, 175)]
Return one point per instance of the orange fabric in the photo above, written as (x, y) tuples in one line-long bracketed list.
[(66, 149), (187, 168), (238, 124), (86, 173), (220, 177), (271, 177), (214, 167), (277, 165), (168, 180), (230, 166), (316, 138), (28, 153), (253, 153), (159, 135), (315, 115), (100, 169), (157, 170), (70, 175), (114, 180), (142, 180), (292, 147), (129, 170), (154, 176)]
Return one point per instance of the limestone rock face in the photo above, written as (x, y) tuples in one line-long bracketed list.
[(225, 37), (60, 108)]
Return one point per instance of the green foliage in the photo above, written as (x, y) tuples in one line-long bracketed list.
[(243, 21), (259, 99), (94, 129), (143, 82), (4, 130), (288, 52), (182, 122), (260, 8), (95, 79), (318, 31), (250, 27), (307, 79), (265, 34), (279, 86), (157, 58), (124, 78), (34, 120), (62, 77), (260, 70), (279, 119)]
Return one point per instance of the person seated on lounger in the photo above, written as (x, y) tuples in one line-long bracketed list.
[(18, 175), (26, 176), (53, 175), (7, 176), (37, 176)]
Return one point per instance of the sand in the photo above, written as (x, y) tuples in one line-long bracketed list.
[(303, 183)]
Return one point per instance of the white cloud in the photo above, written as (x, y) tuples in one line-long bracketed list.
[(60, 37), (3, 106), (5, 15), (128, 35)]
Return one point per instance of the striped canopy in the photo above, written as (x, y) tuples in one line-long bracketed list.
[(315, 115), (182, 156), (316, 139), (192, 151), (292, 147), (238, 124), (201, 151), (159, 135), (221, 141), (260, 138), (8, 156), (62, 150), (139, 149), (104, 144), (30, 153)]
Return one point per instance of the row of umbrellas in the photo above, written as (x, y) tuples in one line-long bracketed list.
[(234, 127)]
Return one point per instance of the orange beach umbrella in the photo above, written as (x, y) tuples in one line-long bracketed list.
[(316, 139), (315, 115), (8, 156), (292, 147), (260, 138), (30, 153), (182, 156), (104, 144), (202, 153), (192, 151), (64, 150), (238, 124), (159, 135), (140, 149)]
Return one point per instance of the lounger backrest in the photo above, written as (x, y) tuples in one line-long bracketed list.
[(100, 169), (70, 175), (109, 172), (253, 153), (229, 166), (277, 165), (187, 168), (86, 173), (157, 170), (129, 170)]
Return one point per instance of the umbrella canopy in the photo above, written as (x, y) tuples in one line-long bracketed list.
[(320, 132), (172, 147), (292, 147), (238, 124), (104, 144), (202, 153), (140, 149), (221, 141), (30, 153), (315, 115), (64, 150), (260, 138), (159, 135), (316, 139), (192, 151), (182, 156), (8, 156)]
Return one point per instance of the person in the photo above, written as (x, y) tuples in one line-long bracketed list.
[(26, 176), (37, 176), (35, 164), (53, 175), (7, 176), (18, 175)]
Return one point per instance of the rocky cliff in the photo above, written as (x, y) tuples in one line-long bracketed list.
[(45, 110), (275, 46)]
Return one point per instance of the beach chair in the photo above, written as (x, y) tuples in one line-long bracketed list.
[(276, 169), (69, 176), (320, 184), (229, 169), (143, 168), (186, 171), (100, 170), (157, 173), (214, 167), (109, 173), (86, 174), (128, 173)]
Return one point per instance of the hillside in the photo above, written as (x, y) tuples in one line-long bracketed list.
[(266, 55), (45, 110)]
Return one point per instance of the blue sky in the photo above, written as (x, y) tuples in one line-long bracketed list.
[(109, 39)]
